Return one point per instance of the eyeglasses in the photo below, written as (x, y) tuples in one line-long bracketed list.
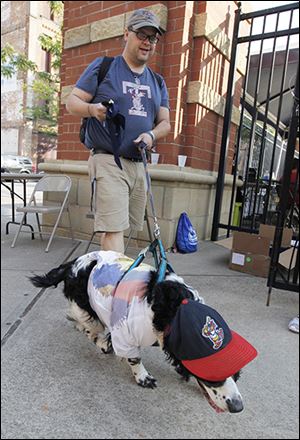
[(143, 37)]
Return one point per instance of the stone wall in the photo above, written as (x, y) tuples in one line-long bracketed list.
[(175, 190), (193, 56)]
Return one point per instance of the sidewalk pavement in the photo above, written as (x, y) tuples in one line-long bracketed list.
[(57, 385)]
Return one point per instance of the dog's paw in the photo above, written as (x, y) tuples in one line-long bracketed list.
[(147, 382), (141, 375), (105, 344)]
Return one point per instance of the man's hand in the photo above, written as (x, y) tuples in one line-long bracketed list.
[(98, 111), (146, 138)]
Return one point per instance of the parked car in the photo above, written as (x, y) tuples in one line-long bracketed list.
[(16, 164)]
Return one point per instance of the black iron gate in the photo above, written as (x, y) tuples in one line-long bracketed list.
[(267, 132), (287, 276)]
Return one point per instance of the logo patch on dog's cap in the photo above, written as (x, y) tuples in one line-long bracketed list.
[(211, 331), (200, 338)]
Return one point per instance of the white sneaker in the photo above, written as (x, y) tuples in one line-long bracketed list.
[(294, 325)]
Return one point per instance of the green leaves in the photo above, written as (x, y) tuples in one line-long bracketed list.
[(44, 87), (13, 62), (54, 47), (56, 7)]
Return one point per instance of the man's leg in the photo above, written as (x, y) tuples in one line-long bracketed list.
[(113, 241), (111, 202)]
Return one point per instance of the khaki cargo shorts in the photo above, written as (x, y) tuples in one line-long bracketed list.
[(120, 196)]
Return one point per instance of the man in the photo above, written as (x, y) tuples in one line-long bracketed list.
[(144, 103)]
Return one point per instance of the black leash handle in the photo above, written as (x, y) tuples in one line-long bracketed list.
[(142, 146), (163, 265)]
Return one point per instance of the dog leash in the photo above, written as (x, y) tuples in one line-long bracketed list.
[(161, 262)]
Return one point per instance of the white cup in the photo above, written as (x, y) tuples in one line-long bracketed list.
[(181, 160), (154, 158)]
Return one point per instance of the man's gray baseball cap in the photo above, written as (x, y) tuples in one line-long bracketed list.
[(143, 18)]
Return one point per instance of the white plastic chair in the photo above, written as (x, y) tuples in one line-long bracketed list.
[(54, 184)]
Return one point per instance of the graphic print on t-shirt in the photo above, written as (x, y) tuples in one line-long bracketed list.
[(136, 92)]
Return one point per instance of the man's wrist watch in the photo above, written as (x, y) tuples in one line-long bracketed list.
[(152, 135)]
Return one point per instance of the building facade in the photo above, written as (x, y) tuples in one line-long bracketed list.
[(193, 56), (21, 24)]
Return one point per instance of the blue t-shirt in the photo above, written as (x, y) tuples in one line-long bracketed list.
[(138, 97)]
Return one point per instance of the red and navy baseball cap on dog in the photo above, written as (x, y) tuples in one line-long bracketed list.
[(200, 338)]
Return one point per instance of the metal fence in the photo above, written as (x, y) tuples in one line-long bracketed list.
[(267, 132), (280, 276)]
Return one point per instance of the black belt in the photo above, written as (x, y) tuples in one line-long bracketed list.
[(132, 159)]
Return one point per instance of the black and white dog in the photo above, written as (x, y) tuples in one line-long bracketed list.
[(122, 311)]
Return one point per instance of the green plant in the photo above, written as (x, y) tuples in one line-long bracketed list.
[(45, 86)]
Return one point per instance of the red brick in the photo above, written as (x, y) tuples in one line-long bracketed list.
[(200, 138)]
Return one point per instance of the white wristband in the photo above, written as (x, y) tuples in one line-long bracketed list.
[(152, 135)]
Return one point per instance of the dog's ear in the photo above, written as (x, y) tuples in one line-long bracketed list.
[(166, 298), (150, 286), (177, 364)]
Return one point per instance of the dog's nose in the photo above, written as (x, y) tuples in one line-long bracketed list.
[(235, 405)]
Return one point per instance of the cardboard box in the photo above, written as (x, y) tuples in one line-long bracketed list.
[(269, 231), (288, 258), (250, 253)]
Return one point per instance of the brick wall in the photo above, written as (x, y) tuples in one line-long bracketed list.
[(192, 56)]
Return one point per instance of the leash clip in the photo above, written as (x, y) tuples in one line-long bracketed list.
[(143, 252), (156, 231)]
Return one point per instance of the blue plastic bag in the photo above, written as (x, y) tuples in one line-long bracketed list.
[(186, 236)]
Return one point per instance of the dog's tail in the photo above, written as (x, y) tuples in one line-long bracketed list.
[(54, 277)]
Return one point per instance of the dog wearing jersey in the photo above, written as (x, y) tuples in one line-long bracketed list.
[(122, 310)]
